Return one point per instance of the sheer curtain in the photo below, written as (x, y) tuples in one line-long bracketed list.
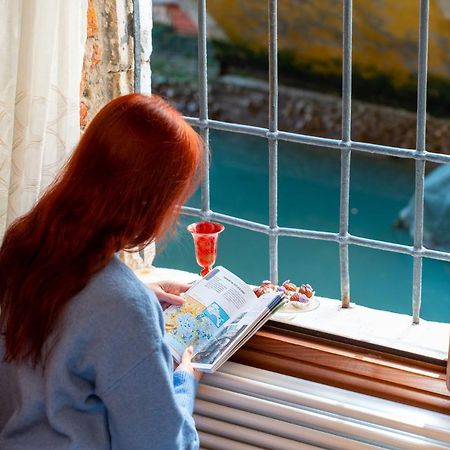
[(41, 53)]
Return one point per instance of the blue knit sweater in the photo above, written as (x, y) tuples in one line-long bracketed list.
[(109, 382)]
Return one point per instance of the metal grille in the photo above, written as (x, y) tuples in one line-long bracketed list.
[(345, 146)]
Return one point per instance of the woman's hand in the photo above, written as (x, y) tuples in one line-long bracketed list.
[(168, 292), (186, 364)]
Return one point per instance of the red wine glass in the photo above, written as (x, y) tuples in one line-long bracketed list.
[(205, 235)]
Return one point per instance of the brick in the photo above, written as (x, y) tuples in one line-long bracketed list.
[(83, 114), (92, 22), (97, 53)]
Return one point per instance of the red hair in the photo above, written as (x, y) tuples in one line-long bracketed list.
[(135, 164)]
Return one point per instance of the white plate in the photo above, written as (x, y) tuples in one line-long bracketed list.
[(289, 309)]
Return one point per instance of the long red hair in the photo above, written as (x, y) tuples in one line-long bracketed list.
[(135, 164)]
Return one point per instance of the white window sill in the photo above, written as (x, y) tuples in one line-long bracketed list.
[(376, 327), (359, 322)]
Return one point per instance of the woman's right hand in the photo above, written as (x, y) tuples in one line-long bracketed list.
[(186, 364)]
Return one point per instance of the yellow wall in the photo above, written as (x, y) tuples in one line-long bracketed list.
[(385, 33)]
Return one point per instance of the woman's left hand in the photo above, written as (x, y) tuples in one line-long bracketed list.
[(168, 292)]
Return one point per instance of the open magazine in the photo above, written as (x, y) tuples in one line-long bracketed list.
[(221, 312)]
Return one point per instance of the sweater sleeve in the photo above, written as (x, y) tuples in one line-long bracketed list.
[(148, 406), (151, 407)]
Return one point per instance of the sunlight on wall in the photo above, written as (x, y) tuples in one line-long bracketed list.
[(385, 34)]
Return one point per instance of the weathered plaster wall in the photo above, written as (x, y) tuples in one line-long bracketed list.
[(385, 34), (108, 67)]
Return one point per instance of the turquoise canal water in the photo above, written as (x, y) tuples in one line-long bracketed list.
[(309, 180)]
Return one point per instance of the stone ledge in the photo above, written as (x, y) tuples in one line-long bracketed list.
[(360, 323)]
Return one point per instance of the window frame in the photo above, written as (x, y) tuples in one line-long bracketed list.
[(367, 369), (302, 352)]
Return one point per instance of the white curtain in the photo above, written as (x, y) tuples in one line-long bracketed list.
[(41, 54)]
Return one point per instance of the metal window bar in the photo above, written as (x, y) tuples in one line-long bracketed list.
[(345, 150), (272, 140), (203, 104), (420, 163), (345, 146)]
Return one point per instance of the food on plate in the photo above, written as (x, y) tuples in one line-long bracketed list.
[(299, 297)]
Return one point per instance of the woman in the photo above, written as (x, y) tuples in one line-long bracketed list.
[(84, 362)]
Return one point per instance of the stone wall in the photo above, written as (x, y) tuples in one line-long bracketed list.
[(243, 100), (108, 67)]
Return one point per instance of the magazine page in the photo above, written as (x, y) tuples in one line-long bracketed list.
[(217, 348), (210, 305)]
